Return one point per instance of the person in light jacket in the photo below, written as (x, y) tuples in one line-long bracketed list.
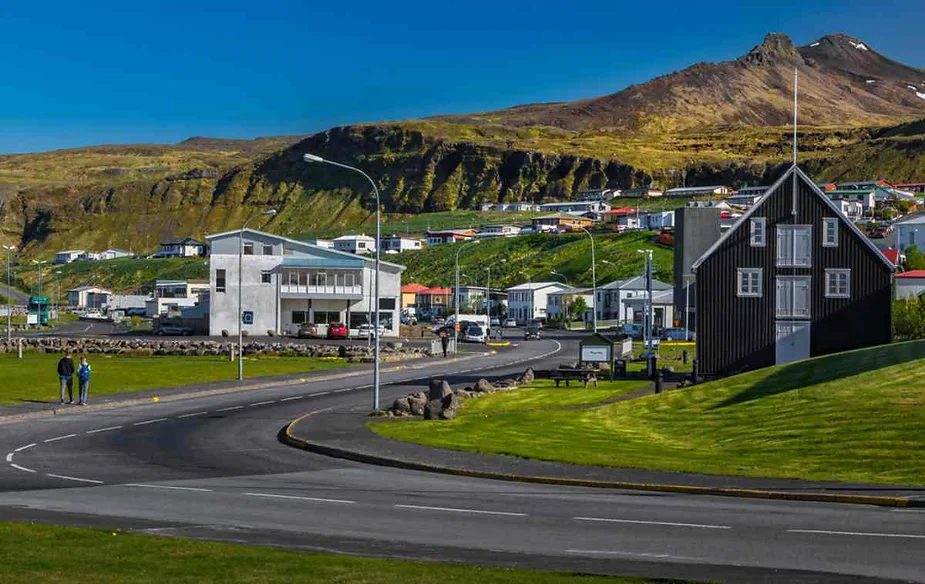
[(83, 379)]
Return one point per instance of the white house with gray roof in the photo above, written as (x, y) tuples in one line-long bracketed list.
[(287, 282), (612, 297)]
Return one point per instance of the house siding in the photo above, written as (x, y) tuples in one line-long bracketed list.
[(735, 334)]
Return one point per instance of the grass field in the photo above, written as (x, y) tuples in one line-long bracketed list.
[(34, 378), (542, 393), (42, 554), (855, 417)]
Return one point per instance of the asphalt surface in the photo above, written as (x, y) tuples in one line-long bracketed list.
[(213, 467)]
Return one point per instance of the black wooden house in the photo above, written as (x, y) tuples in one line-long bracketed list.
[(793, 278)]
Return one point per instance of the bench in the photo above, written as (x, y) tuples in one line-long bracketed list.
[(567, 375)]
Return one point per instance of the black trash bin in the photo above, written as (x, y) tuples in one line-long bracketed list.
[(620, 368)]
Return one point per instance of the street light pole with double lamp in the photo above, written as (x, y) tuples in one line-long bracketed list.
[(456, 297), (593, 277), (268, 212), (9, 294)]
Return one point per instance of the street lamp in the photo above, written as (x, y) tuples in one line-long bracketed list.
[(564, 281), (647, 326), (39, 265), (555, 273), (9, 298), (241, 291), (456, 296), (593, 277), (57, 292), (311, 158)]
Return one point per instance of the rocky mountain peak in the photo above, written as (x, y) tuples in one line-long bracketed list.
[(775, 48)]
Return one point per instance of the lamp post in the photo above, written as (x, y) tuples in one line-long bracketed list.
[(564, 281), (39, 265), (647, 326), (593, 277), (241, 292), (311, 158), (9, 298), (456, 297), (57, 292)]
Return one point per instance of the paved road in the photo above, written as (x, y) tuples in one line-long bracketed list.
[(18, 297), (213, 468)]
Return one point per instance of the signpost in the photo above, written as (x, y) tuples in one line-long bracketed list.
[(247, 317)]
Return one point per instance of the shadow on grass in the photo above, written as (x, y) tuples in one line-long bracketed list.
[(827, 369)]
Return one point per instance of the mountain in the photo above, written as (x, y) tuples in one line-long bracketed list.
[(844, 82)]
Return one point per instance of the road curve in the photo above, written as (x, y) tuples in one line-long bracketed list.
[(213, 468)]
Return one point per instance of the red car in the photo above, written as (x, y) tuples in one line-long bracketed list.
[(337, 330)]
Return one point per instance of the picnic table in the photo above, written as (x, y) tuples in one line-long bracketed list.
[(568, 374)]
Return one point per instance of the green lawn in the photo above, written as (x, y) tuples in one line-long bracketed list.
[(42, 554), (35, 378), (543, 394), (856, 416)]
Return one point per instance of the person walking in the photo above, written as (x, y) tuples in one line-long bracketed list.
[(66, 377), (83, 379), (444, 340)]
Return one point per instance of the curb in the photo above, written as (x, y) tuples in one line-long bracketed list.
[(287, 437)]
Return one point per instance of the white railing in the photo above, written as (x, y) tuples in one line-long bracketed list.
[(332, 290)]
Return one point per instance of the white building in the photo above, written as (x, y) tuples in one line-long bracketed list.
[(448, 236), (113, 253), (499, 231), (172, 295), (397, 244), (575, 206), (67, 256), (356, 244), (181, 248), (598, 195), (89, 256), (288, 282), (708, 191), (557, 303), (909, 284), (641, 193), (529, 301), (909, 231), (612, 297), (519, 206), (662, 308), (325, 243), (658, 220), (88, 297)]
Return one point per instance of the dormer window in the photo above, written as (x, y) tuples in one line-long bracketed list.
[(758, 228)]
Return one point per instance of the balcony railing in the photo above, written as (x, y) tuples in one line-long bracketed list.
[(333, 290)]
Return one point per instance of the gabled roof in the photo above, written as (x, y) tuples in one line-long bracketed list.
[(184, 241), (911, 274), (913, 219), (89, 288), (794, 169), (436, 291), (635, 283), (412, 288), (537, 286), (892, 255)]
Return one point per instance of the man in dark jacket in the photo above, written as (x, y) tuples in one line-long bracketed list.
[(66, 377)]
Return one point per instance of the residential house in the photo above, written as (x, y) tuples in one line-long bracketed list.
[(575, 207), (612, 297), (597, 195), (792, 279), (706, 191), (558, 303), (88, 297), (409, 295), (325, 243), (434, 301), (68, 256), (290, 282), (914, 187), (909, 284), (909, 231), (527, 302), (112, 254), (355, 244), (448, 236), (641, 193), (853, 210), (398, 244), (866, 198), (126, 301), (182, 248), (499, 231), (623, 218), (663, 312), (171, 295), (520, 206), (657, 221), (89, 256), (560, 223), (746, 196), (892, 255)]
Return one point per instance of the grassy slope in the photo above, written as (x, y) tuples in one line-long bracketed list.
[(855, 417), (542, 392), (41, 554), (35, 378), (537, 255)]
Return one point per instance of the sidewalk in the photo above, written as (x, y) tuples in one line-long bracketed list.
[(345, 435)]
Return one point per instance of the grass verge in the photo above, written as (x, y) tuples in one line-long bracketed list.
[(543, 394), (853, 417), (43, 554), (34, 377)]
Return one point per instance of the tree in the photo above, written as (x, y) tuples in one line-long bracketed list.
[(909, 319), (577, 307), (914, 259)]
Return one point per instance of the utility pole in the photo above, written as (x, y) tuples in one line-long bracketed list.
[(9, 298), (648, 313)]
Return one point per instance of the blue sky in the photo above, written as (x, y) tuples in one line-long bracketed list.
[(92, 72)]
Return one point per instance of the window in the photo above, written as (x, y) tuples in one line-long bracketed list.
[(325, 317), (386, 304), (749, 282), (361, 244), (299, 316), (268, 250), (793, 245), (838, 283), (830, 232), (793, 297), (264, 277), (219, 280), (757, 231), (248, 249)]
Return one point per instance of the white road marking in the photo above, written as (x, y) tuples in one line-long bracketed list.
[(343, 390), (364, 386), (103, 429), (198, 490), (455, 510), (229, 409), (292, 398), (312, 499), (193, 414), (9, 457), (856, 533), (319, 393), (21, 448), (55, 439), (665, 523), (154, 421), (21, 467), (263, 403), (632, 554), (67, 478)]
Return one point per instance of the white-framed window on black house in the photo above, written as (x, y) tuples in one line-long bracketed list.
[(794, 246), (748, 282), (837, 283), (830, 232), (793, 299), (219, 280), (758, 231)]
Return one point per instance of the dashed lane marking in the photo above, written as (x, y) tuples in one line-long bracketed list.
[(639, 522), (293, 497), (856, 533), (108, 429), (632, 554), (295, 397), (319, 393), (193, 414), (21, 448), (456, 510), (343, 390), (169, 487), (78, 479), (230, 409), (16, 466), (146, 422), (262, 403), (56, 438)]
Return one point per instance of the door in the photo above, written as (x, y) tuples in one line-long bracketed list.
[(792, 341)]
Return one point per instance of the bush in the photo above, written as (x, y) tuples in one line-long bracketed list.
[(909, 319)]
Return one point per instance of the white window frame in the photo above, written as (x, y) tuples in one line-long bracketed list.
[(830, 223), (744, 287), (791, 313), (758, 232), (832, 277), (791, 262), (224, 280)]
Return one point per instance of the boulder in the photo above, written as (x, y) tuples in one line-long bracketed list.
[(439, 389), (433, 409), (527, 377), (451, 402), (483, 386), (448, 414), (401, 405), (416, 405)]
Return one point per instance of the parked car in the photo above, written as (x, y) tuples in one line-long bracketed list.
[(495, 321), (308, 330), (365, 331), (409, 319), (532, 331), (337, 330), (172, 329), (473, 334), (634, 330), (136, 311), (510, 323), (676, 334)]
